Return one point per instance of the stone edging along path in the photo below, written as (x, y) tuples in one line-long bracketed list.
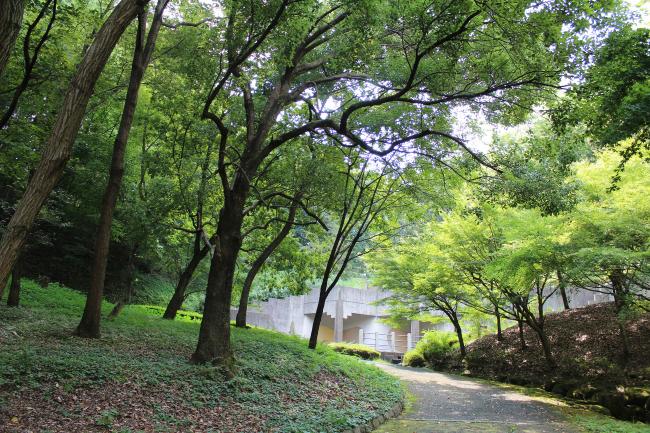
[(378, 420)]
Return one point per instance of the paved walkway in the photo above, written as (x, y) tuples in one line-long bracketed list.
[(451, 404)]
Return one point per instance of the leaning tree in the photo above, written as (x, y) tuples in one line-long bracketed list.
[(370, 75)]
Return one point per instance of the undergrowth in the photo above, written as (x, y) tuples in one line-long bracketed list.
[(278, 379)]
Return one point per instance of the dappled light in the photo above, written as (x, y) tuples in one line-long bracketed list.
[(245, 216)]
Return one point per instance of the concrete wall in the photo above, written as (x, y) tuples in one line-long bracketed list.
[(359, 309)]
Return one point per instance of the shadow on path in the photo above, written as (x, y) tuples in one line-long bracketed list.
[(450, 404)]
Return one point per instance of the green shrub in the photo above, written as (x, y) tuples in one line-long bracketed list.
[(433, 349), (359, 350), (413, 358)]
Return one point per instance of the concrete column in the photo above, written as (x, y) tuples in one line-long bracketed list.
[(392, 341), (409, 341), (338, 320), (415, 331), (361, 336)]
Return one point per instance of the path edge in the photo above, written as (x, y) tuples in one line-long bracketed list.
[(378, 420)]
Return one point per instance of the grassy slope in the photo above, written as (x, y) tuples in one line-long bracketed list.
[(136, 377)]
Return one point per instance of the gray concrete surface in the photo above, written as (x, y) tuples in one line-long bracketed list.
[(450, 404)]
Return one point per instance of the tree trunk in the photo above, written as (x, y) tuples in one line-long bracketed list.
[(214, 335), (11, 18), (313, 338), (497, 314), (58, 148), (13, 300), (259, 262), (522, 339), (176, 302), (618, 290), (546, 347), (459, 334), (89, 325), (562, 286)]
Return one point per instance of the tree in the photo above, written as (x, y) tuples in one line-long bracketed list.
[(58, 147), (526, 266), (610, 235), (614, 96), (11, 18), (89, 325), (390, 97), (366, 194), (30, 59)]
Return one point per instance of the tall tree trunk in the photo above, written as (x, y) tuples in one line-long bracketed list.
[(13, 300), (11, 18), (89, 325), (522, 339), (315, 327), (176, 302), (259, 262), (562, 286), (214, 335), (57, 150)]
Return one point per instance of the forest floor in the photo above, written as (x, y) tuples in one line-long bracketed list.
[(136, 378)]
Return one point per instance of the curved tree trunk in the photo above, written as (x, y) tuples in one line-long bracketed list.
[(313, 338), (58, 148), (461, 341), (176, 302), (89, 325), (259, 262), (562, 286), (11, 18)]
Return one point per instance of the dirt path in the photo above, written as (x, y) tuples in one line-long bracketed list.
[(450, 404)]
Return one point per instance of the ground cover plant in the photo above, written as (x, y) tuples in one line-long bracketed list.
[(136, 378)]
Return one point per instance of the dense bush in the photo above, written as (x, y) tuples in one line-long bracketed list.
[(433, 349), (359, 350), (413, 358)]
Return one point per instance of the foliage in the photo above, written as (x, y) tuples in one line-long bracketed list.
[(614, 97), (141, 351), (413, 358), (433, 349), (359, 350)]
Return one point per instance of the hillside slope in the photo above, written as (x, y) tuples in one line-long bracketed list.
[(587, 348), (137, 378)]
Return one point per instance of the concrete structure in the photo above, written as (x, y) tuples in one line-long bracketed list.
[(352, 315)]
